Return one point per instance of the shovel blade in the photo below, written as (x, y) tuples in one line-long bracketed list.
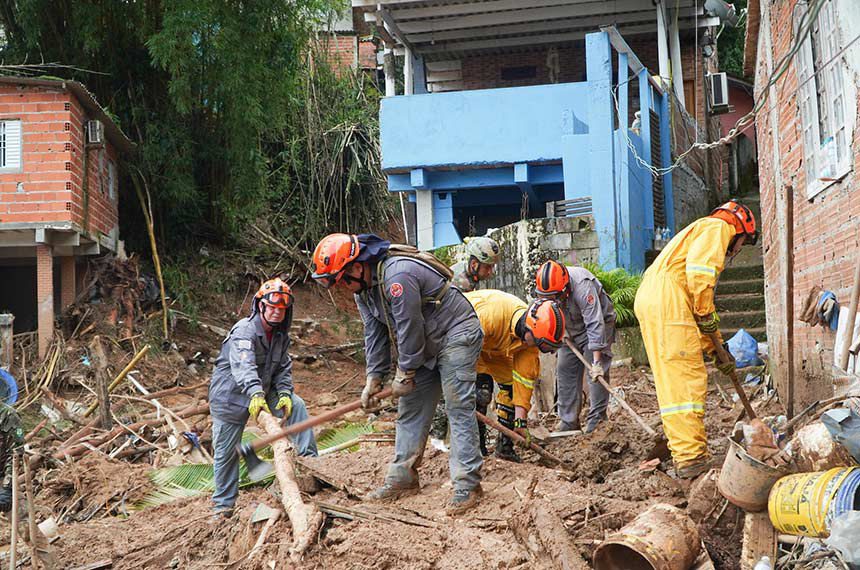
[(257, 468)]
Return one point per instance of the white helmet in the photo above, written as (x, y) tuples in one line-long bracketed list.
[(484, 249)]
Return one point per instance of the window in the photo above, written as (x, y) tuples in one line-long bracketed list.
[(821, 98), (10, 145), (519, 73)]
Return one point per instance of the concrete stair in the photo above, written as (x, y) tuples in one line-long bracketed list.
[(740, 291)]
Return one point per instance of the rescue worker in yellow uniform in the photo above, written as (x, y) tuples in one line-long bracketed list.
[(675, 308), (514, 336)]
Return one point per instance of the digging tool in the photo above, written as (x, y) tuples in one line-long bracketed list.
[(521, 440), (259, 469), (723, 356), (661, 445), (13, 552)]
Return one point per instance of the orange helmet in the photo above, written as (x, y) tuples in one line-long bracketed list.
[(333, 253), (739, 216), (275, 293), (545, 320), (552, 279)]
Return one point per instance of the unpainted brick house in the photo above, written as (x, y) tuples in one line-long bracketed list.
[(809, 172), (60, 156)]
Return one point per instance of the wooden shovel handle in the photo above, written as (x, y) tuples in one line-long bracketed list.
[(314, 421), (648, 429), (519, 439), (723, 356)]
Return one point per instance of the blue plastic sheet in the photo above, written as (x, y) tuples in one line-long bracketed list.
[(744, 348)]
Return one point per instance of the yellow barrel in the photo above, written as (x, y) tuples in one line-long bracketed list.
[(798, 504)]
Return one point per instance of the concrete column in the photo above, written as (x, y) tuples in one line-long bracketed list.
[(45, 297), (645, 130), (408, 77), (389, 68), (6, 355), (68, 281), (662, 43), (424, 218), (677, 68)]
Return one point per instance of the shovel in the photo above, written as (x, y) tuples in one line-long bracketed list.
[(259, 469), (661, 445), (724, 356)]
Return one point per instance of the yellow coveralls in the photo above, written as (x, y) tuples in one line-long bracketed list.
[(514, 365), (676, 288)]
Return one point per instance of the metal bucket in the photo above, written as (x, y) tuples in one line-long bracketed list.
[(746, 481), (661, 538), (807, 503)]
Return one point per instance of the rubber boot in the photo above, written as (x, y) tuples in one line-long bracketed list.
[(505, 449), (482, 435)]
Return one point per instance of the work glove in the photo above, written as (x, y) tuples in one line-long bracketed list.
[(727, 366), (285, 402), (708, 323), (521, 427), (371, 387), (6, 499), (403, 383), (596, 372), (258, 404)]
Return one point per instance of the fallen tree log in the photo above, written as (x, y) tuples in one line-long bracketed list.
[(306, 518), (538, 527)]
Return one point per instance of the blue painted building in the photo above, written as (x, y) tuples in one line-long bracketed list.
[(557, 122)]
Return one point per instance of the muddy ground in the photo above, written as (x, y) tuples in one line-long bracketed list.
[(605, 487)]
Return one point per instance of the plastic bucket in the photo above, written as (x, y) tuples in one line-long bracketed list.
[(661, 538), (806, 503), (746, 481)]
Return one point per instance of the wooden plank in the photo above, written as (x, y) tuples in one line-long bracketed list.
[(759, 540)]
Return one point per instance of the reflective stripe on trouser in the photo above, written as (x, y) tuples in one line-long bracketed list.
[(226, 436), (454, 376), (505, 405), (675, 354), (569, 373)]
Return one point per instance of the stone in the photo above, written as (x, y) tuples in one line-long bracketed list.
[(556, 241)]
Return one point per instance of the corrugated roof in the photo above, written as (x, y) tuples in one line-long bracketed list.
[(86, 98)]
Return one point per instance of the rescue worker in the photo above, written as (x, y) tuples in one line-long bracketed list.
[(590, 325), (482, 254), (253, 373), (675, 308), (405, 300), (11, 441), (514, 336)]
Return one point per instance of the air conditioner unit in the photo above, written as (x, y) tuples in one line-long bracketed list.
[(718, 93), (95, 132)]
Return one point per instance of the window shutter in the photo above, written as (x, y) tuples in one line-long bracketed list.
[(13, 145), (807, 100)]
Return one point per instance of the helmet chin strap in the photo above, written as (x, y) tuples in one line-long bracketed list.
[(360, 280)]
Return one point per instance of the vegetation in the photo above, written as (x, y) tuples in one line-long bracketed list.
[(236, 118), (730, 44), (621, 286)]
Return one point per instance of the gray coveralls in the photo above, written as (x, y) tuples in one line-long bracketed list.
[(249, 363), (441, 343), (590, 324)]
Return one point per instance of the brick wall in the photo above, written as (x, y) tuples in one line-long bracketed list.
[(485, 71), (38, 192), (826, 241), (45, 296), (49, 186), (343, 51), (93, 208)]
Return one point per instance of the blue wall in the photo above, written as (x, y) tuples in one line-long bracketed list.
[(488, 126)]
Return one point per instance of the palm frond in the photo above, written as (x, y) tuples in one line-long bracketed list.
[(621, 286), (342, 434)]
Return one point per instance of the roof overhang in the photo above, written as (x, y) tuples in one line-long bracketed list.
[(87, 99), (438, 28)]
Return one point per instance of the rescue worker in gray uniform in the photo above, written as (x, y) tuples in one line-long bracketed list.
[(408, 301), (11, 441), (590, 324), (482, 255), (253, 373)]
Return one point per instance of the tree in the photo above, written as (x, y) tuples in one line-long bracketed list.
[(730, 44)]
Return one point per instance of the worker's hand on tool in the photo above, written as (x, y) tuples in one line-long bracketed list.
[(285, 402), (371, 387), (258, 404), (403, 383), (726, 366), (708, 323), (521, 426), (6, 499), (596, 371)]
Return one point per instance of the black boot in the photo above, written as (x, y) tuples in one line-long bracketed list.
[(505, 449), (482, 435)]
